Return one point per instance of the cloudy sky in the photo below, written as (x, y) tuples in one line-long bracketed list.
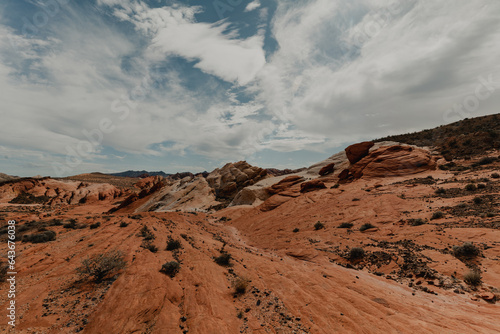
[(112, 85)]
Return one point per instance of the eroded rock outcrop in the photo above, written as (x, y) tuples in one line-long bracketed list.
[(233, 177), (396, 160), (358, 151)]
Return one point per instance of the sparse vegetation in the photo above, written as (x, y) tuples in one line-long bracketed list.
[(319, 225), (101, 265), (346, 225), (356, 253), (42, 237), (481, 186), (495, 176), (170, 268), (147, 244), (440, 191), (295, 230), (437, 215), (95, 225), (485, 161), (56, 222), (146, 233), (472, 278), (240, 285), (366, 226), (478, 200), (467, 250), (470, 187), (416, 222), (224, 259), (26, 198), (173, 244), (123, 224)]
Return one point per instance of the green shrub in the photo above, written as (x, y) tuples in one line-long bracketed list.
[(437, 215), (467, 250), (224, 259), (366, 226), (101, 265), (41, 237), (472, 278), (356, 253), (319, 225), (173, 244), (95, 225), (346, 225), (170, 268)]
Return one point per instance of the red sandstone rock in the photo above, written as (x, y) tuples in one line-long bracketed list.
[(358, 151)]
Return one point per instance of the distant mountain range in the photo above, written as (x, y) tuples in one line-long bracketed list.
[(135, 173)]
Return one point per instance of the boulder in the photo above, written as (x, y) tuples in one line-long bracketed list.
[(356, 152), (328, 169), (312, 186)]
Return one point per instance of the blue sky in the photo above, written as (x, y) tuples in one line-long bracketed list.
[(111, 85)]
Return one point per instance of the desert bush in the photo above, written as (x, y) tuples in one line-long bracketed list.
[(95, 225), (101, 265), (240, 285), (477, 200), (26, 198), (481, 186), (437, 215), (295, 230), (440, 191), (416, 222), (123, 224), (356, 253), (135, 217), (72, 224), (41, 237), (491, 214), (472, 278), (470, 187), (467, 250), (319, 225), (173, 244), (495, 176), (485, 161), (146, 233), (170, 268), (224, 259), (56, 222), (346, 225), (366, 226), (147, 244)]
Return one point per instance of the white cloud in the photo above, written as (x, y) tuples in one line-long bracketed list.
[(252, 6), (401, 67), (174, 31)]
